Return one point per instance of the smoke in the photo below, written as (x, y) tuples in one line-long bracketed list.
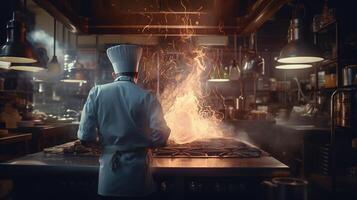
[(40, 38)]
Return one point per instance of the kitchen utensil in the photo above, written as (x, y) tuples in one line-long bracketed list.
[(350, 75), (254, 64), (330, 80), (234, 71), (346, 106), (231, 112), (286, 188), (321, 79), (273, 84), (313, 80)]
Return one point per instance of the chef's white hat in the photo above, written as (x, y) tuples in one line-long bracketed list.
[(125, 57)]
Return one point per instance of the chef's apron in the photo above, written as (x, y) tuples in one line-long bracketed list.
[(125, 172)]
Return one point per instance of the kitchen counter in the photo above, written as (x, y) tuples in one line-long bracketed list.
[(40, 163), (14, 145), (13, 138), (76, 176), (304, 128), (47, 135)]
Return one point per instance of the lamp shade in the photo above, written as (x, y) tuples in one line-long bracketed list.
[(298, 50), (54, 68), (28, 67), (293, 66), (17, 49)]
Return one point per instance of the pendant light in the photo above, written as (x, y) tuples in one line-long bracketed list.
[(17, 49), (293, 66), (54, 67), (298, 50)]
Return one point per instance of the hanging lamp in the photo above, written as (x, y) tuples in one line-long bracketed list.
[(293, 66), (54, 67), (298, 50), (17, 49)]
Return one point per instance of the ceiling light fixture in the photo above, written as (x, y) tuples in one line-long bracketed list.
[(54, 67), (293, 66), (298, 50), (17, 49)]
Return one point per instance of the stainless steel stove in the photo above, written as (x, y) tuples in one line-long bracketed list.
[(215, 148)]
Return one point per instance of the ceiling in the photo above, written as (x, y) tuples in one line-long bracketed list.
[(162, 17)]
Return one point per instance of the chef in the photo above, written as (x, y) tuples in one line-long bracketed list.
[(129, 121)]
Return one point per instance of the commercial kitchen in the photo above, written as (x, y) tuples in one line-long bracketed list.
[(260, 95)]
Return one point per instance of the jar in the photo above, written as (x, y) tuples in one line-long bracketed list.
[(273, 84), (350, 75), (330, 80)]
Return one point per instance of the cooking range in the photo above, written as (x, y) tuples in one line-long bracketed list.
[(208, 168), (210, 148)]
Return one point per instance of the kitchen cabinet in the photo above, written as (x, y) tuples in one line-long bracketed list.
[(14, 145), (50, 135)]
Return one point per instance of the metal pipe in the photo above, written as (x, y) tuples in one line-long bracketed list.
[(54, 36)]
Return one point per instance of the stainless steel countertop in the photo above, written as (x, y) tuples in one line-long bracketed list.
[(41, 163)]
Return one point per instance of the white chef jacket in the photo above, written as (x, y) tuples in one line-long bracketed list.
[(127, 118)]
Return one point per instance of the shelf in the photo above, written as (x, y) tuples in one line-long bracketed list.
[(326, 27), (327, 89)]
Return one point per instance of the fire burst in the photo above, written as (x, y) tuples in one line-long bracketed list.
[(185, 113), (183, 100)]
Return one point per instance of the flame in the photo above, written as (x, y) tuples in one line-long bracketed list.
[(183, 76), (185, 113)]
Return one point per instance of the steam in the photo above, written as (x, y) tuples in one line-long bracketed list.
[(41, 38)]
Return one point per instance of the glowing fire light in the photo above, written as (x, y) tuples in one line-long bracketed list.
[(185, 114), (182, 101)]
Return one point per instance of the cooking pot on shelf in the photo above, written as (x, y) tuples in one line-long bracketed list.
[(345, 109), (285, 188)]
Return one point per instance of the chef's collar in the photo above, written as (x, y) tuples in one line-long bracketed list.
[(124, 78)]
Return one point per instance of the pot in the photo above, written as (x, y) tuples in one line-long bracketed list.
[(350, 75), (286, 188), (346, 107)]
